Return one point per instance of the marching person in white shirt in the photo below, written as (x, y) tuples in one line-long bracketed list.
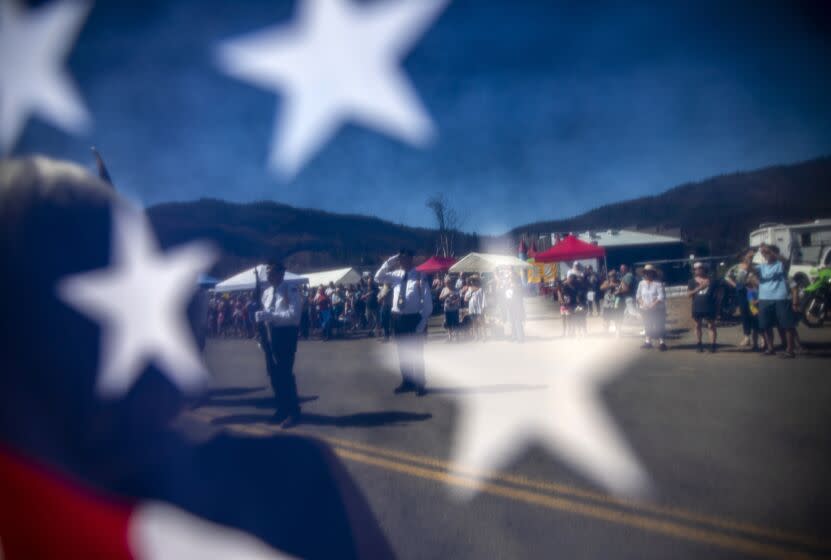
[(281, 314), (651, 299), (412, 306)]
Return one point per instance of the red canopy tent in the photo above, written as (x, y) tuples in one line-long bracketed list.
[(436, 264), (571, 249)]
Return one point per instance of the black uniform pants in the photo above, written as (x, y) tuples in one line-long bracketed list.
[(410, 347), (283, 342), (386, 320)]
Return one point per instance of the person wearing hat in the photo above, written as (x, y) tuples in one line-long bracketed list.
[(412, 305), (705, 294), (651, 298)]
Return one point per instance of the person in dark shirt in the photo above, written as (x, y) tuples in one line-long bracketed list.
[(612, 310), (571, 302), (324, 312), (737, 278), (705, 293), (373, 307), (593, 293), (385, 300)]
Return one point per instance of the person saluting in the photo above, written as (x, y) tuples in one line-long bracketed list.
[(281, 315), (412, 306)]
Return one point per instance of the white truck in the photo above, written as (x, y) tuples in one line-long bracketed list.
[(807, 246)]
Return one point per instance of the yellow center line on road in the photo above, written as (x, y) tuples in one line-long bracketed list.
[(355, 449), (701, 536), (519, 480)]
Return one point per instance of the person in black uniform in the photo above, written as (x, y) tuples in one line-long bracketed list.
[(412, 306), (290, 492), (281, 313)]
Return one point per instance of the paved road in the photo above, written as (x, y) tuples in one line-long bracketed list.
[(736, 446)]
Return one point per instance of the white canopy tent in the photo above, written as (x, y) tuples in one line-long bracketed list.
[(338, 276), (487, 262), (245, 280)]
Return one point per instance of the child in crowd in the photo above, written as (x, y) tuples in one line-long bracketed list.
[(753, 310)]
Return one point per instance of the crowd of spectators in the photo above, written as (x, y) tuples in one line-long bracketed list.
[(490, 305), (328, 311)]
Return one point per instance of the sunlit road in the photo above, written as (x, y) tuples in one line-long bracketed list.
[(735, 444)]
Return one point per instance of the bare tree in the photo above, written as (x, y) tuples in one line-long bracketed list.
[(448, 222)]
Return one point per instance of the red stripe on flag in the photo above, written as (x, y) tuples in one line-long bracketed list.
[(43, 515)]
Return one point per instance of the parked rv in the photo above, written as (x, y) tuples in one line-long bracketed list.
[(807, 246)]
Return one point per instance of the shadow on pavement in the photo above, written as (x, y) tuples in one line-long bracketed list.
[(502, 388), (694, 346), (361, 419), (503, 338), (364, 419), (256, 402), (816, 349), (809, 349), (674, 334), (232, 391)]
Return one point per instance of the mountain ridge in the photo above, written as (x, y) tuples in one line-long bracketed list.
[(714, 215), (717, 213)]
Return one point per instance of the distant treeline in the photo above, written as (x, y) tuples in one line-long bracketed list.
[(307, 239), (714, 216)]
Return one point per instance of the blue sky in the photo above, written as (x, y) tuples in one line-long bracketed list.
[(542, 109)]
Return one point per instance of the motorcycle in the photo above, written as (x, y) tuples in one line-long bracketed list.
[(816, 299)]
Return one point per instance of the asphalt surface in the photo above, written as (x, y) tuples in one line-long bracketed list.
[(735, 444)]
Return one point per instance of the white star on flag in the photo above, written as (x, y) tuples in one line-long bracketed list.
[(339, 61), (33, 46), (140, 302), (160, 531), (543, 391)]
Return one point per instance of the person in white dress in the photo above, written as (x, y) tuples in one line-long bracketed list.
[(651, 299)]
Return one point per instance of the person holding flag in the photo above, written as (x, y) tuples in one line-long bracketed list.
[(91, 465)]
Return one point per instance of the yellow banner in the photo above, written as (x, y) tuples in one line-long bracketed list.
[(541, 272)]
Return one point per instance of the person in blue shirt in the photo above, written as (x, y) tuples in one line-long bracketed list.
[(778, 301)]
